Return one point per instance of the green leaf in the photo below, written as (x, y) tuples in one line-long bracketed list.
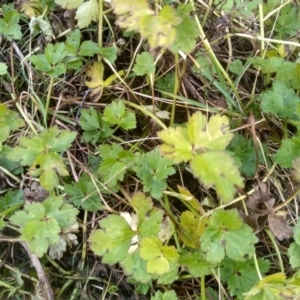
[(116, 114), (294, 249), (227, 234), (158, 257), (95, 128), (153, 27), (280, 100), (134, 266), (115, 162), (73, 41), (273, 287), (144, 64), (86, 13), (289, 150), (84, 194), (141, 204), (113, 240), (153, 170), (110, 53), (64, 213), (169, 295), (9, 121), (11, 201), (151, 224), (294, 255), (241, 276), (166, 83), (3, 68), (186, 33), (39, 152), (241, 8), (178, 152), (237, 67), (196, 263), (51, 62), (244, 151), (88, 48), (41, 223), (218, 169), (9, 26)]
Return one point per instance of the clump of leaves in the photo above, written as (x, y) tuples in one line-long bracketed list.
[(59, 57), (136, 240), (41, 153), (202, 143), (137, 16), (41, 223)]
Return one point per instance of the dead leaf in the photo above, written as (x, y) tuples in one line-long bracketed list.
[(261, 208), (279, 227)]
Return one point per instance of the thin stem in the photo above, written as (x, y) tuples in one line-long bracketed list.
[(48, 100), (176, 87)]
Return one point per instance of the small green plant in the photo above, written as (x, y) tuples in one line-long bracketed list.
[(202, 144), (42, 223), (41, 153)]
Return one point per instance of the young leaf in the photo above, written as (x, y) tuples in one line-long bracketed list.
[(227, 234), (84, 194), (153, 170), (116, 114), (192, 229), (115, 162), (41, 223), (169, 295), (95, 128), (9, 26), (158, 257), (113, 240), (144, 64)]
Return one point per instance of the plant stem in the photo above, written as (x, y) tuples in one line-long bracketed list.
[(48, 100), (100, 25), (176, 87), (270, 235)]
